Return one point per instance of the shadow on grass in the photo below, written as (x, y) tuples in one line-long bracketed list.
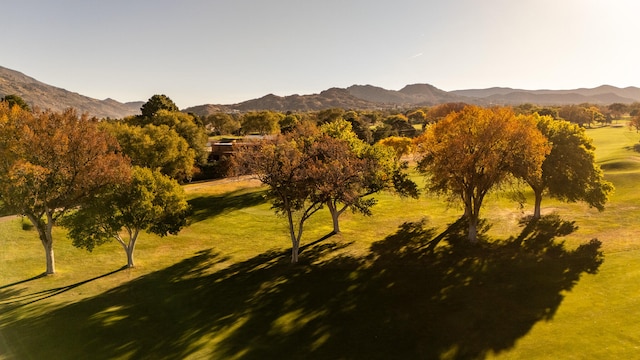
[(204, 207), (14, 299), (408, 299), (23, 281)]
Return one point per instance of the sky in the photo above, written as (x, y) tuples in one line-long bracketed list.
[(228, 51)]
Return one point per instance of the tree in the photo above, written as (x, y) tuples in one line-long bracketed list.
[(417, 116), (329, 115), (618, 109), (157, 103), (288, 122), (183, 124), (400, 126), (470, 152), (401, 145), (262, 122), (634, 123), (15, 100), (439, 112), (569, 172), (359, 126), (575, 114), (156, 147), (353, 173), (150, 201), (283, 163), (51, 163), (595, 115), (222, 123), (548, 111)]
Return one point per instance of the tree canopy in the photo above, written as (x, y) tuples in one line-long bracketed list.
[(470, 152), (157, 103), (156, 147), (284, 164), (183, 124), (150, 201), (53, 162), (15, 100), (569, 172), (262, 122), (362, 170)]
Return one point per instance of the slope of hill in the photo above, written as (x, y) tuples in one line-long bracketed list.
[(40, 95), (331, 98), (416, 94), (43, 96), (604, 94)]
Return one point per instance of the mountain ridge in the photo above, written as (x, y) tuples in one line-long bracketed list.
[(361, 97), (44, 96)]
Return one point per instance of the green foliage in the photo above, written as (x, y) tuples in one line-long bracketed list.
[(288, 123), (262, 122), (150, 202), (329, 115), (343, 130), (15, 100), (570, 172), (365, 171), (222, 124), (156, 147), (418, 116), (400, 126), (157, 103), (183, 124)]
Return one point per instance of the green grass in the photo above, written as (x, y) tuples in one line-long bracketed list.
[(397, 284)]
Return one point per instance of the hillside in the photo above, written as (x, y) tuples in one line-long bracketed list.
[(412, 95), (40, 95), (603, 95), (43, 96)]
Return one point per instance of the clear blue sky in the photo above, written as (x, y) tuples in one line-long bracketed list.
[(227, 51)]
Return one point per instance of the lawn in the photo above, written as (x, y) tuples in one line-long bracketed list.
[(396, 285)]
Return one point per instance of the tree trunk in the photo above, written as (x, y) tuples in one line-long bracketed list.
[(129, 248), (538, 202), (295, 249), (472, 212), (132, 246), (473, 229), (130, 263), (295, 240), (335, 216), (46, 238)]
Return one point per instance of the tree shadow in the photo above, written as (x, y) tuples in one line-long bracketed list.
[(23, 281), (407, 299), (205, 207), (16, 298), (634, 147)]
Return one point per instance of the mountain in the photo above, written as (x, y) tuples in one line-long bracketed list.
[(331, 98), (40, 95), (603, 95), (373, 97), (43, 96), (412, 95), (354, 97)]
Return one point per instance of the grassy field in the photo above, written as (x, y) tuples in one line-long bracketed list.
[(396, 285)]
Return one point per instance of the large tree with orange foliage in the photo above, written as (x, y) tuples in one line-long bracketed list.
[(472, 151), (51, 163)]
